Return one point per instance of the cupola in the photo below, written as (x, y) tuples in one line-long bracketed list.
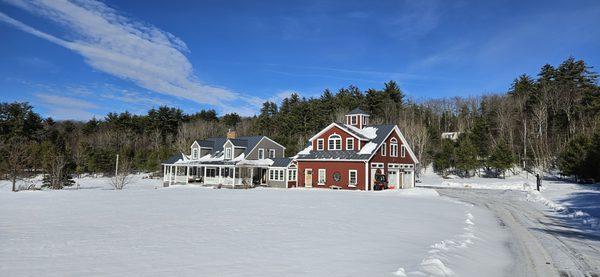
[(357, 118)]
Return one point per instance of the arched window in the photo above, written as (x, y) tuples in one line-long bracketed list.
[(394, 147), (335, 142)]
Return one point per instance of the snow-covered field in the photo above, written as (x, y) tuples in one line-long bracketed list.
[(192, 231)]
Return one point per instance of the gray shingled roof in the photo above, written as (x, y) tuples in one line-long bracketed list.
[(281, 162), (351, 131), (382, 131), (217, 143), (357, 111), (173, 159)]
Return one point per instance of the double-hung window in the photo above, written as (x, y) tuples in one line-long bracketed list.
[(383, 149), (261, 153), (227, 153), (271, 153), (403, 151), (322, 176), (320, 144), (349, 144), (352, 178), (276, 175), (195, 153)]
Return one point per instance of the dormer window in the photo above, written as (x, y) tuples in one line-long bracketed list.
[(320, 144), (394, 147), (349, 144), (261, 153), (227, 153), (195, 154), (335, 142)]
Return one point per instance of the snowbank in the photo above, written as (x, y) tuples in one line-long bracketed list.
[(582, 218), (518, 182)]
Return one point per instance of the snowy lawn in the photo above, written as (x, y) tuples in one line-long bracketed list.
[(192, 231)]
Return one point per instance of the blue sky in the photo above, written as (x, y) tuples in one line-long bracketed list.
[(75, 60)]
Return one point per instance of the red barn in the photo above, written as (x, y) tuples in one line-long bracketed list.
[(357, 155)]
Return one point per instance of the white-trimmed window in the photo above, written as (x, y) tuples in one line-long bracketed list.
[(353, 120), (322, 176), (335, 142), (261, 153), (292, 174), (211, 172), (403, 151), (227, 153), (271, 153), (195, 153), (320, 144), (276, 175), (394, 147), (349, 144), (352, 177), (383, 149)]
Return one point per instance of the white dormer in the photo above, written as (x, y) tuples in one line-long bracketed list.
[(357, 118)]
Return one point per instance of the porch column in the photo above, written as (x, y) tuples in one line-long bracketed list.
[(234, 176), (251, 176), (204, 176), (220, 177), (170, 174), (187, 174)]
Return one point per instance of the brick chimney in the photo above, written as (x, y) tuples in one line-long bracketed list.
[(231, 134)]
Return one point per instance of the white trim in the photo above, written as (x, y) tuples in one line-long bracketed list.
[(228, 157), (196, 143), (332, 125), (322, 140), (276, 174), (403, 151), (274, 153), (384, 149), (319, 176), (404, 142), (195, 153), (347, 140), (333, 160), (355, 177), (263, 153)]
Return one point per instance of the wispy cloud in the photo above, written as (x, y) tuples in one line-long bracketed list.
[(63, 107), (120, 46)]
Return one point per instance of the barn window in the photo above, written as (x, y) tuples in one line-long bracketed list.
[(349, 144), (394, 147), (320, 144), (335, 142), (352, 177), (322, 176)]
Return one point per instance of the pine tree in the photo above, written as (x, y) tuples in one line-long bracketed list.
[(572, 160), (501, 159), (444, 159)]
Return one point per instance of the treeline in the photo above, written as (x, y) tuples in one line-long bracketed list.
[(544, 123)]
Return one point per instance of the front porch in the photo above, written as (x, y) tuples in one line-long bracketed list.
[(227, 175)]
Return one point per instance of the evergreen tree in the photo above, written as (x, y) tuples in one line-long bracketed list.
[(572, 159), (501, 159), (465, 156), (444, 158)]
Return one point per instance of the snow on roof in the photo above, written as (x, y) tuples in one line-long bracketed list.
[(261, 162), (239, 158), (368, 148), (306, 150), (368, 132)]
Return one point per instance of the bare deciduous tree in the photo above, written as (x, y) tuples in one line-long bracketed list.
[(16, 156), (122, 176)]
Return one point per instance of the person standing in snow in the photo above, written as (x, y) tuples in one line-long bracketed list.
[(538, 181)]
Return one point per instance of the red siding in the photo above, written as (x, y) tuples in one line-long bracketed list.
[(387, 158), (331, 131), (331, 167)]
